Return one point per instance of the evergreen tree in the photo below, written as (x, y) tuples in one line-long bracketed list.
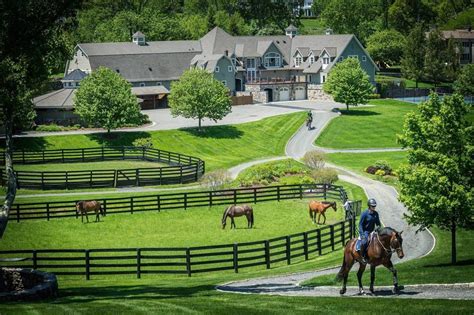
[(435, 54), (413, 60)]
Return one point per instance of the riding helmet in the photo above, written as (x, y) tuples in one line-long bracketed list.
[(372, 202)]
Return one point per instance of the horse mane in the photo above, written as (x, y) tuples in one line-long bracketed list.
[(387, 231), (328, 202)]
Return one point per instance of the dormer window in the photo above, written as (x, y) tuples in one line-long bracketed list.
[(325, 60), (298, 61), (311, 59), (272, 59)]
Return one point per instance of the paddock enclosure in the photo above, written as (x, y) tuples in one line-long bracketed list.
[(266, 252), (182, 168)]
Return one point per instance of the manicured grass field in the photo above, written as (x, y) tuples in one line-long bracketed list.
[(434, 268), (366, 127), (312, 27), (218, 146), (169, 227), (109, 165)]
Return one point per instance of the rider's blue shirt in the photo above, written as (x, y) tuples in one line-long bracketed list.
[(368, 221)]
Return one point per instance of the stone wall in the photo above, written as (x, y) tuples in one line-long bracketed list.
[(316, 93), (27, 284)]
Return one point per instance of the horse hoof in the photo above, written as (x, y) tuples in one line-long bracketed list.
[(342, 291), (396, 291), (371, 290), (362, 292)]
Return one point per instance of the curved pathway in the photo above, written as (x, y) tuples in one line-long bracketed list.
[(391, 212)]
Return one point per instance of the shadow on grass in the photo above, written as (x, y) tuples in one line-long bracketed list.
[(467, 262), (215, 132), (118, 138), (84, 295), (358, 112), (28, 144)]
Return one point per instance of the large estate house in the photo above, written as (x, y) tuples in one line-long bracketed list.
[(268, 68)]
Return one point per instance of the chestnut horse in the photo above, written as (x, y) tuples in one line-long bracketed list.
[(87, 206), (379, 252), (317, 207), (237, 211)]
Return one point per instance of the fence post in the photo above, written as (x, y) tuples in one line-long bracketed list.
[(236, 258), (158, 201), (267, 254), (210, 198), (143, 153), (137, 177), (188, 261), (235, 196), (139, 263), (43, 155), (161, 175), (288, 250), (35, 259), (255, 195), (17, 180), (181, 174), (67, 180), (131, 205), (185, 200), (105, 207), (82, 155), (278, 193), (42, 180), (318, 242), (331, 232), (88, 271), (18, 213), (325, 191), (115, 178), (197, 171), (301, 191), (62, 155), (47, 211), (343, 232), (305, 245)]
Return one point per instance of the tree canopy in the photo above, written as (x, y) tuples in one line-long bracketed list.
[(413, 61), (105, 100), (198, 95), (386, 47), (437, 185), (348, 83), (464, 83)]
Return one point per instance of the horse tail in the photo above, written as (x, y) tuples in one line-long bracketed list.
[(251, 217), (102, 212), (224, 216)]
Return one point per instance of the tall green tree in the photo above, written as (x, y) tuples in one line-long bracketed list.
[(435, 57), (348, 83), (105, 100), (404, 14), (452, 57), (27, 28), (464, 84), (413, 61), (198, 95), (437, 185), (386, 47)]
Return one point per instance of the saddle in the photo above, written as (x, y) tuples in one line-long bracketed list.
[(369, 240)]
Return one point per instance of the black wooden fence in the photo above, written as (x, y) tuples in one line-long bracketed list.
[(182, 169), (60, 209), (190, 260)]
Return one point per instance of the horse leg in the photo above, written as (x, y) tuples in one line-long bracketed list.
[(324, 216), (82, 217), (97, 219), (359, 278), (232, 224), (390, 267), (372, 278), (87, 217), (345, 269)]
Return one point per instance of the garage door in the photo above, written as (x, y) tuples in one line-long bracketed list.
[(300, 93), (284, 94)]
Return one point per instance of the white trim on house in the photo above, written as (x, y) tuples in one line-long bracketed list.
[(217, 69), (272, 56)]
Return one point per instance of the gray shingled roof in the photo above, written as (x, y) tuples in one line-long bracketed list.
[(149, 90), (62, 98), (207, 62), (138, 34), (291, 27), (129, 48), (75, 75), (314, 67), (145, 67)]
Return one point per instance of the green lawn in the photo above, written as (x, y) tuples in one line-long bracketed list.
[(312, 27), (434, 268), (366, 126), (218, 146), (109, 165)]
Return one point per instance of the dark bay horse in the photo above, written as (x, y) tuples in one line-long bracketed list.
[(84, 206), (379, 252), (237, 211), (317, 207)]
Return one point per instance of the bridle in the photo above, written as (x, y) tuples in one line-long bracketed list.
[(390, 250)]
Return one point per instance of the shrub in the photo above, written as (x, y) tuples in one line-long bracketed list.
[(374, 96), (380, 173), (371, 169), (55, 128), (325, 176), (314, 159), (216, 179), (267, 173), (143, 142), (383, 165)]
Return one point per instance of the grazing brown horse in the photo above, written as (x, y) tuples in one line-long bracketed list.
[(317, 207), (83, 207), (237, 211), (379, 252)]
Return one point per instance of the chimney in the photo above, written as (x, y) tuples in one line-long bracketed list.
[(328, 31), (226, 52), (139, 39)]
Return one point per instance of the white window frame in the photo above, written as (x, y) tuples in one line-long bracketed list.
[(326, 60), (311, 59), (224, 82), (298, 61), (230, 69), (272, 56), (217, 69), (364, 58), (249, 62)]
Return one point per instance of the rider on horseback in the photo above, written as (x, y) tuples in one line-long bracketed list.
[(309, 119), (368, 220)]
